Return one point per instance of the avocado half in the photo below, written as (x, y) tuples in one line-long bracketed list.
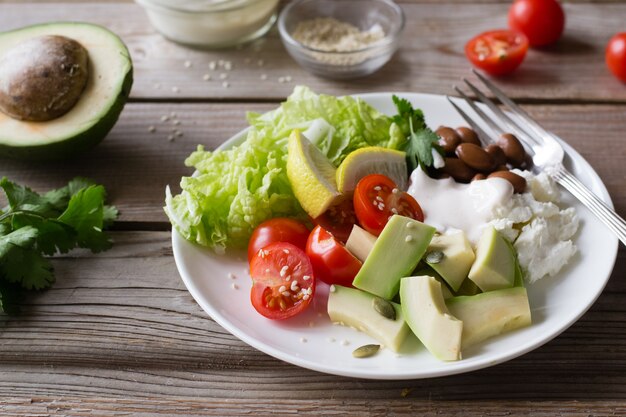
[(97, 110)]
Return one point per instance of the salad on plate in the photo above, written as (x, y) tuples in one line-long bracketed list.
[(405, 233)]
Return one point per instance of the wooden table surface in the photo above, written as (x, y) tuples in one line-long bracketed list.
[(119, 334)]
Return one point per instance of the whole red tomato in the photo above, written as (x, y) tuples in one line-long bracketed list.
[(331, 261), (497, 52), (279, 229), (616, 55), (542, 21)]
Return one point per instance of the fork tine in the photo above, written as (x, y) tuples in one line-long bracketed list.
[(536, 127), (511, 125), (487, 119), (485, 139)]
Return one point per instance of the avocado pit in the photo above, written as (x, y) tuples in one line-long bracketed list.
[(42, 78)]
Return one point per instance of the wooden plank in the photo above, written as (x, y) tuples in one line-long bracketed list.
[(135, 165), (121, 325), (431, 57)]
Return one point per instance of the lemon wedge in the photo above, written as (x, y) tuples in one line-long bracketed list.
[(311, 174), (372, 160)]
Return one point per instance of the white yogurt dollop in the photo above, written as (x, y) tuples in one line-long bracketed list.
[(449, 205)]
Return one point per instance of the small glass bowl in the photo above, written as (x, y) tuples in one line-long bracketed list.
[(363, 14), (211, 23)]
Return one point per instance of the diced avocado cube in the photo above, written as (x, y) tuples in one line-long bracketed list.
[(457, 259), (494, 267), (360, 243), (428, 317), (352, 307), (491, 313), (396, 253)]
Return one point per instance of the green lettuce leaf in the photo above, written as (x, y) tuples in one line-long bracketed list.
[(234, 190)]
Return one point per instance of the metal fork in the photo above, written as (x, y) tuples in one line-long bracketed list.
[(546, 150)]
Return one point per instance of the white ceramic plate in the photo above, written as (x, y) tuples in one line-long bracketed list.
[(311, 341)]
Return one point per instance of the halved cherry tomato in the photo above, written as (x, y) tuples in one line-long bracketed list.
[(616, 55), (497, 52), (338, 219), (332, 262), (283, 282), (542, 21), (279, 229), (377, 198)]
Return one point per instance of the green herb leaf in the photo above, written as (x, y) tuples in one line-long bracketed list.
[(85, 214), (421, 140)]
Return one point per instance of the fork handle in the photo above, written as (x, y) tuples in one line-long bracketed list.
[(598, 207)]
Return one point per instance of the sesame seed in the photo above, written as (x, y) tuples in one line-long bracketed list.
[(151, 129), (345, 342), (187, 64), (303, 340), (263, 77), (165, 118), (231, 275), (410, 225), (228, 65), (306, 277), (395, 191), (178, 133), (170, 138), (377, 188), (234, 286), (394, 210), (225, 84), (223, 76), (175, 89), (379, 198), (286, 251), (409, 238), (332, 288), (212, 65), (206, 77), (176, 122), (282, 288), (173, 114)]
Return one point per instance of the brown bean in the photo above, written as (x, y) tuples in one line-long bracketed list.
[(448, 139), (475, 157), (513, 149), (518, 182), (479, 177), (458, 170), (468, 135), (496, 152)]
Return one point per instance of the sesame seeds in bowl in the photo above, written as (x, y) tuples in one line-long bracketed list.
[(341, 39)]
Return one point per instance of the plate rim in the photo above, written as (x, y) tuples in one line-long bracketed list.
[(468, 365)]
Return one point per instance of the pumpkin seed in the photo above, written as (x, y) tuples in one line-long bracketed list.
[(434, 257), (384, 308), (366, 351)]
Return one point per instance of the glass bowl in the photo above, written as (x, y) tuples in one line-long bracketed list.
[(211, 23), (364, 14)]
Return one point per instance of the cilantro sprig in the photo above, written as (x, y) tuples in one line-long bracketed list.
[(34, 226), (420, 139)]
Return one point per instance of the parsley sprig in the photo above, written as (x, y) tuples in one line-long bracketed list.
[(420, 139), (34, 226)]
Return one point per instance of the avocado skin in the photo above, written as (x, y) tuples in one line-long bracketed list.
[(76, 144)]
